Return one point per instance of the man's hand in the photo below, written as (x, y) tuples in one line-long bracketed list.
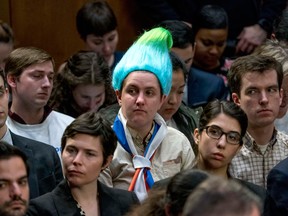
[(250, 38)]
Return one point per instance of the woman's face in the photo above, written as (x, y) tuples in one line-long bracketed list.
[(104, 45), (82, 159), (217, 153), (89, 97), (174, 99), (210, 45), (5, 50)]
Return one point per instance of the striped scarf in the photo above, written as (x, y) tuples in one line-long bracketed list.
[(142, 180)]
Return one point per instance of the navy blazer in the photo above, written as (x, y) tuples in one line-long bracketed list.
[(45, 171), (204, 87), (59, 202), (276, 203)]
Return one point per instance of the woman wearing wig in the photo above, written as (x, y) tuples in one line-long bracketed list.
[(219, 137), (84, 84), (147, 149)]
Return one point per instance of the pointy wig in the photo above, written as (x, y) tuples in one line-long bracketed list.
[(149, 53)]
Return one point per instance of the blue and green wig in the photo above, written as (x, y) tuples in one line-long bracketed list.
[(149, 53)]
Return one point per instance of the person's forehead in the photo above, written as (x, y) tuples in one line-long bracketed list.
[(145, 77), (254, 77), (12, 168), (46, 66)]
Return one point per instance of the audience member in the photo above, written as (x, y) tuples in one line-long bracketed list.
[(179, 188), (281, 28), (216, 196), (249, 22), (14, 171), (215, 151), (169, 201), (45, 166), (6, 42), (30, 74), (174, 112), (201, 87), (277, 187), (210, 29), (255, 83), (88, 144), (278, 50), (83, 85), (148, 150), (96, 24)]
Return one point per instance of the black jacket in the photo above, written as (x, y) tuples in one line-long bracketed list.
[(60, 202)]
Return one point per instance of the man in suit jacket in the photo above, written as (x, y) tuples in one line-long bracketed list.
[(277, 190), (45, 167), (14, 193)]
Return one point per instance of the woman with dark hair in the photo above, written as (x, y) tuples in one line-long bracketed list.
[(84, 84), (215, 150), (96, 23), (6, 42), (88, 145), (219, 136), (174, 112), (210, 30)]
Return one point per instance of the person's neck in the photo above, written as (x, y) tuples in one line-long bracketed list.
[(3, 131), (85, 193), (86, 196), (221, 172), (261, 135), (28, 114), (142, 132)]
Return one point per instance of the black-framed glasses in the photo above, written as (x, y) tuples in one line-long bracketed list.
[(216, 132)]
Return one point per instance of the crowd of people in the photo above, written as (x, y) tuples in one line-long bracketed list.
[(190, 120)]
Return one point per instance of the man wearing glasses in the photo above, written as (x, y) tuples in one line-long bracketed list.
[(255, 83)]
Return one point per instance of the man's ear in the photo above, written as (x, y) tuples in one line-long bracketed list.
[(11, 80), (118, 95), (236, 99)]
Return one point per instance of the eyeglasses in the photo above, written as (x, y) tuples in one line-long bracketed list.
[(216, 132)]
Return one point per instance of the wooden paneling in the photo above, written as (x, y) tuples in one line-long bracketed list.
[(50, 24)]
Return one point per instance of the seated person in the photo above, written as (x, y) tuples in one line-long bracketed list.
[(170, 200), (279, 51), (96, 24), (148, 150), (215, 197), (88, 144), (30, 73), (84, 84), (14, 172), (175, 113), (210, 31), (202, 87), (6, 42), (219, 136), (277, 187)]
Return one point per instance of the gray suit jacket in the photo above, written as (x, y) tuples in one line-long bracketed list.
[(45, 171)]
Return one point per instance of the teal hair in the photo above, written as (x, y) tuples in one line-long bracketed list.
[(149, 53)]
